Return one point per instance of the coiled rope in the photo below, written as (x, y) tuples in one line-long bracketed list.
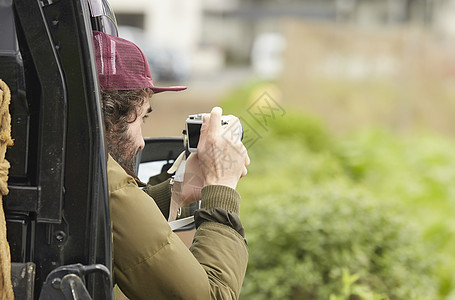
[(6, 289)]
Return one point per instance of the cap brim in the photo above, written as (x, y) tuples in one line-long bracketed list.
[(159, 89)]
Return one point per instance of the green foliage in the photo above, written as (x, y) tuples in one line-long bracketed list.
[(425, 160), (319, 208), (301, 240), (351, 287), (306, 129), (415, 173)]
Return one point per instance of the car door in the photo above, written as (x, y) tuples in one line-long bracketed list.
[(57, 209)]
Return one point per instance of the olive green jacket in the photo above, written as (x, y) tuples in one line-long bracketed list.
[(151, 262)]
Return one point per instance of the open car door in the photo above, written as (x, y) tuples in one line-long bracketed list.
[(57, 209)]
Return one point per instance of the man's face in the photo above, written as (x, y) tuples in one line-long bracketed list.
[(124, 146)]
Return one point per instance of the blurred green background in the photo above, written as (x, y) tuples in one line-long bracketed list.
[(367, 212)]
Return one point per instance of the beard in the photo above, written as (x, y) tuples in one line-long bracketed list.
[(119, 146)]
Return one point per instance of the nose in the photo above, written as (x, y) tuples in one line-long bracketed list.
[(142, 144)]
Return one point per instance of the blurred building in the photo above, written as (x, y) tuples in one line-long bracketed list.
[(175, 23), (216, 32)]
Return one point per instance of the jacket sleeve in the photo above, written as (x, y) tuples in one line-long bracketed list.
[(161, 193), (151, 262)]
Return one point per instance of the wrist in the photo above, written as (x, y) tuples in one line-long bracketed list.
[(176, 192), (231, 184), (176, 199)]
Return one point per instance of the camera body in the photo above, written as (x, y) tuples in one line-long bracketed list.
[(193, 129)]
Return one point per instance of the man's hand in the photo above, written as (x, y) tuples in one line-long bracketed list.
[(222, 157)]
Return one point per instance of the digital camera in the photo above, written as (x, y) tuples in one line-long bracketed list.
[(193, 129)]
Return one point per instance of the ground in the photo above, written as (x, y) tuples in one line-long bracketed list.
[(170, 109)]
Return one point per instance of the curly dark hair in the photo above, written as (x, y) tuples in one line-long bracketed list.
[(121, 107)]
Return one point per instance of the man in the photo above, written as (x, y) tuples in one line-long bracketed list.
[(150, 261)]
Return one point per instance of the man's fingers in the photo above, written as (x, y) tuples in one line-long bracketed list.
[(247, 160), (204, 127), (215, 122), (245, 171)]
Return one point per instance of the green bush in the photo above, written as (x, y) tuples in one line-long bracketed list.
[(427, 161), (352, 288), (415, 173), (301, 241), (307, 129)]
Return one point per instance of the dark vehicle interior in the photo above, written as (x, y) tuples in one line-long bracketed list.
[(57, 209)]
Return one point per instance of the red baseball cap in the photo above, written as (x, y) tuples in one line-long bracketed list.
[(121, 65)]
